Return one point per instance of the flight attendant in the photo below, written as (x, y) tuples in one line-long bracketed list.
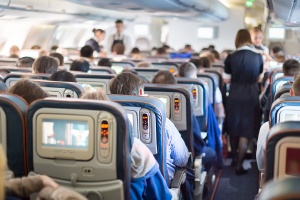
[(95, 41), (243, 69), (119, 38)]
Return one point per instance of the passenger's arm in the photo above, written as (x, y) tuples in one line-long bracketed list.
[(179, 152), (261, 144), (23, 187)]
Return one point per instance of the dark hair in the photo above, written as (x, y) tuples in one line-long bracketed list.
[(164, 77), (54, 47), (36, 47), (205, 62), (126, 83), (119, 49), (211, 47), (291, 67), (59, 56), (119, 21), (196, 62), (276, 49), (188, 46), (296, 86), (25, 62), (104, 62), (80, 65), (187, 70), (96, 30), (216, 54), (242, 38), (86, 51), (13, 56), (28, 90), (135, 50), (45, 64), (63, 76), (161, 51)]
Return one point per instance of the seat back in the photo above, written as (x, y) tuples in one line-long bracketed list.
[(277, 84), (88, 142), (171, 66), (102, 70), (275, 74), (8, 61), (95, 80), (61, 89), (13, 132), (148, 73), (212, 82), (283, 91), (3, 87), (285, 109), (11, 79), (282, 153), (180, 108), (12, 69), (199, 90), (218, 72), (148, 116)]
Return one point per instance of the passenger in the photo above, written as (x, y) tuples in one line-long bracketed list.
[(60, 57), (45, 64), (217, 57), (43, 53), (161, 52), (209, 55), (25, 62), (136, 54), (177, 152), (211, 47), (144, 64), (276, 51), (257, 38), (14, 52), (54, 48), (119, 38), (187, 48), (104, 62), (143, 164), (118, 49), (224, 54), (28, 90), (63, 75), (264, 130), (36, 47), (86, 53), (80, 65), (291, 68), (95, 41), (243, 70), (205, 63)]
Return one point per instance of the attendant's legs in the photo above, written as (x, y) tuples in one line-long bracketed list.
[(243, 147), (234, 142)]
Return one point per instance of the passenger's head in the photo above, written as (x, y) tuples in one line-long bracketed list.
[(28, 90), (54, 48), (62, 75), (188, 48), (25, 62), (196, 62), (127, 83), (187, 70), (135, 50), (209, 55), (242, 38), (43, 53), (276, 50), (99, 34), (144, 64), (86, 52), (37, 47), (216, 54), (105, 62), (291, 67), (45, 64), (295, 91), (80, 65), (211, 47), (59, 56), (95, 95), (14, 50), (205, 62), (256, 36), (119, 26), (118, 49), (164, 77), (161, 51)]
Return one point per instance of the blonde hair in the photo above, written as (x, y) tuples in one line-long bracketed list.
[(2, 175), (96, 95)]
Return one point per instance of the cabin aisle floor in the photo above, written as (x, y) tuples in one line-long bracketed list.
[(232, 187)]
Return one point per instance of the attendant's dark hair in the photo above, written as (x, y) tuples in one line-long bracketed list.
[(164, 77), (291, 67), (119, 21), (63, 75), (242, 38), (28, 90), (126, 83)]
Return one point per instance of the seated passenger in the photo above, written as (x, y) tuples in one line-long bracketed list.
[(144, 64), (136, 54), (86, 53), (45, 64), (104, 62), (14, 52), (118, 49), (28, 90), (264, 130), (143, 166), (59, 56), (20, 188), (80, 65), (291, 67), (63, 75), (25, 62), (177, 152)]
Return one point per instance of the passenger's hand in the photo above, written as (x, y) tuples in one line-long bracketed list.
[(48, 182)]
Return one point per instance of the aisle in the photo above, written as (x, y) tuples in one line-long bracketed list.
[(233, 187)]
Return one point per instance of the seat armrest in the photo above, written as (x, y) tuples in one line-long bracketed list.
[(179, 178)]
